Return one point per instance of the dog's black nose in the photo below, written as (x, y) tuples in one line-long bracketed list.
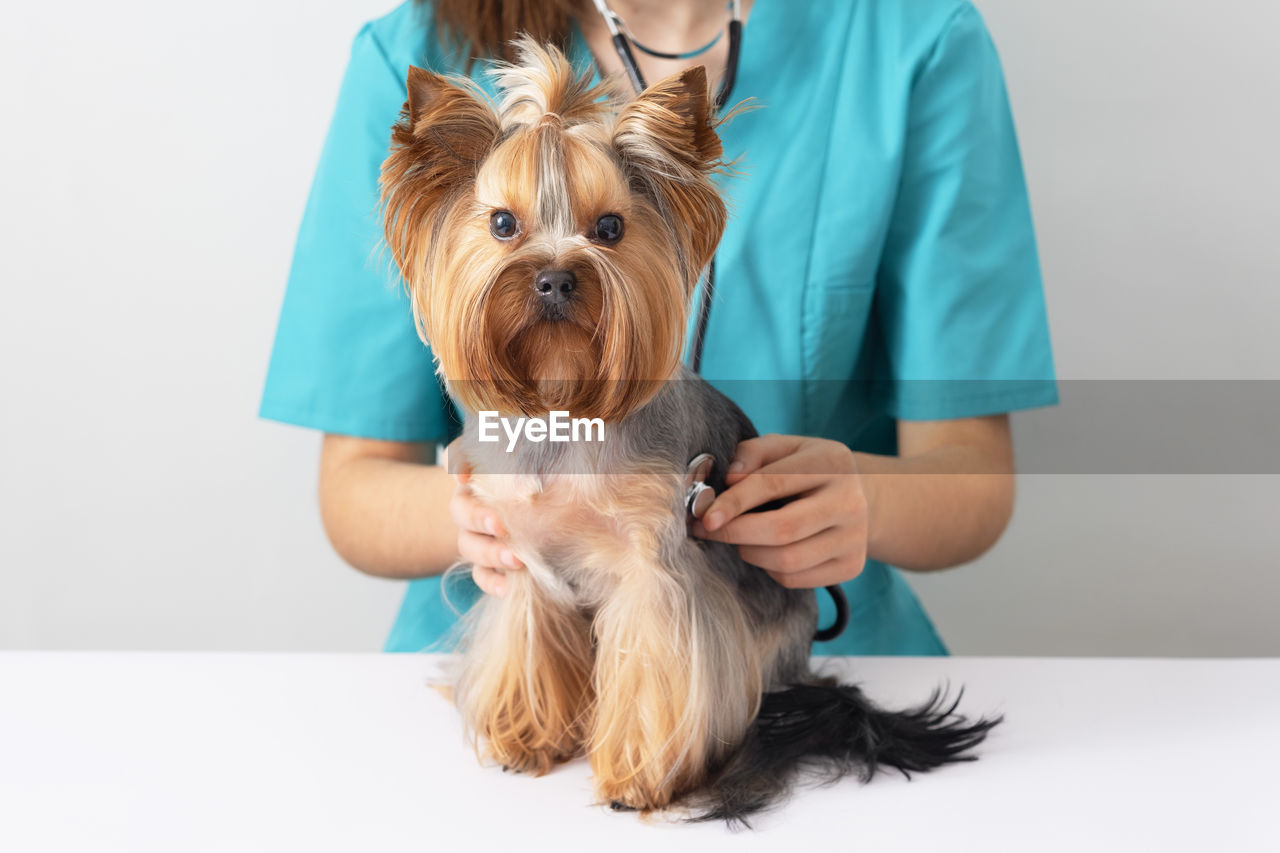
[(555, 286)]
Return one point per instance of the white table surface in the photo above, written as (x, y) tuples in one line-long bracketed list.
[(187, 752)]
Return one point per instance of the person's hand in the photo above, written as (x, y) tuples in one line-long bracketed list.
[(481, 538), (820, 537)]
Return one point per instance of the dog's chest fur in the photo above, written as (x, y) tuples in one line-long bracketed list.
[(576, 511)]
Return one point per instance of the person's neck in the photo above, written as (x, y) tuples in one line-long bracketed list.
[(672, 24)]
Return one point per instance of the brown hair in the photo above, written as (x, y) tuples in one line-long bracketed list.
[(479, 28)]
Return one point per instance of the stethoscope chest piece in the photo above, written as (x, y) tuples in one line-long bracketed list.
[(698, 496)]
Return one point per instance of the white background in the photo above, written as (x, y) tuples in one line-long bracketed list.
[(159, 764), (155, 160)]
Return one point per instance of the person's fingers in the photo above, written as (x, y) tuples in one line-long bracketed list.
[(469, 514), (755, 453), (759, 487), (797, 557), (833, 571), (798, 520), (481, 550), (490, 580)]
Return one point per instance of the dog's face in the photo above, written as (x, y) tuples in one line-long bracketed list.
[(550, 247)]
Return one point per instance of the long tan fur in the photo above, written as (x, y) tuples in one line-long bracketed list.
[(676, 678), (525, 689)]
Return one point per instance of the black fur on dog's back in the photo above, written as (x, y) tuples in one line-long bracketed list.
[(833, 730)]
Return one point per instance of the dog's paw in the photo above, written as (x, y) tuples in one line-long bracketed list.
[(535, 762), (629, 796)]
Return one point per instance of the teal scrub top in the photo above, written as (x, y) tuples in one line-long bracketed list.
[(879, 261)]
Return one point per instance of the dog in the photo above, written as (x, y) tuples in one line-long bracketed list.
[(551, 244)]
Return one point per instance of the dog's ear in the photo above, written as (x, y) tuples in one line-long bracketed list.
[(448, 114), (446, 129), (669, 123), (669, 147)]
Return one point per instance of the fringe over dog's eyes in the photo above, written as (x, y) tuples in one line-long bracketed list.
[(608, 229), (503, 224)]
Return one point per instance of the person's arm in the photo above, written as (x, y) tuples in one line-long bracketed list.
[(946, 498), (390, 512), (385, 506), (943, 501)]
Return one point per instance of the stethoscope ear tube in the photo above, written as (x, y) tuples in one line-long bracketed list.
[(731, 64), (623, 47)]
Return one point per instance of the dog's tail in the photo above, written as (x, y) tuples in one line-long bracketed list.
[(835, 731)]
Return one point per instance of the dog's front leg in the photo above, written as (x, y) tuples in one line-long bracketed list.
[(525, 687), (677, 679)]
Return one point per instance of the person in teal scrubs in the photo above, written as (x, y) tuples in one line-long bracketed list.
[(878, 307)]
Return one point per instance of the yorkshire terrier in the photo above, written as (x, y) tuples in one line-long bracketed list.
[(551, 245)]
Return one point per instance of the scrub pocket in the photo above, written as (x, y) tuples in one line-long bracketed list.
[(835, 323)]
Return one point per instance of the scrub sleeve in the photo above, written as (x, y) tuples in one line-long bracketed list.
[(960, 303), (347, 358)]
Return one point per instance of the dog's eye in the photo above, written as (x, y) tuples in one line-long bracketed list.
[(608, 228), (503, 225)]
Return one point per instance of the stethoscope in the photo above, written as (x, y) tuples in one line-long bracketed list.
[(698, 494), (622, 42)]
